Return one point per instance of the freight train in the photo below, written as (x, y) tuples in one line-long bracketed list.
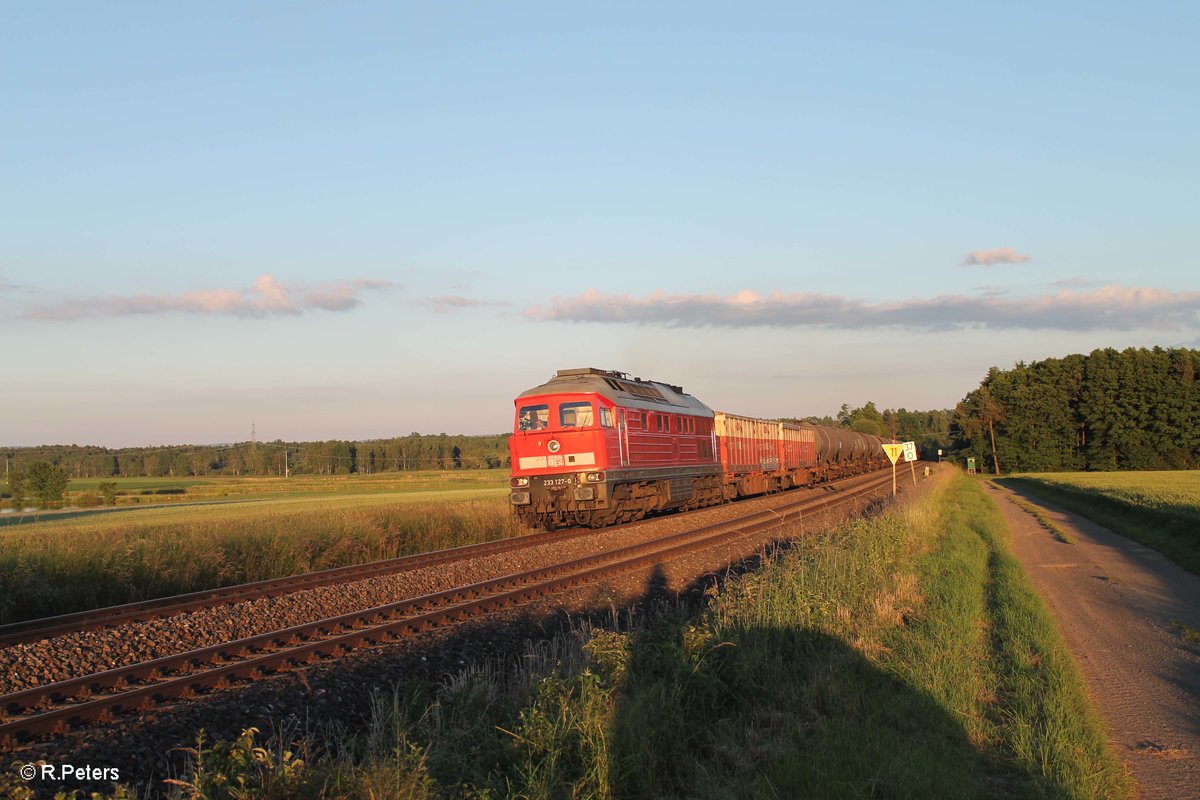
[(592, 447)]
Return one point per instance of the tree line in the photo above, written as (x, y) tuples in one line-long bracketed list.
[(1134, 409), (334, 457)]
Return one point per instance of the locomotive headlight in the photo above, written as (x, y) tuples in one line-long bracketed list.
[(516, 482), (595, 477)]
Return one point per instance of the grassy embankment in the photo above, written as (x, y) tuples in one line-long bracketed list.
[(91, 560), (904, 656), (1158, 509)]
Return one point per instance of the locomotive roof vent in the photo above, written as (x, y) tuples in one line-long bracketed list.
[(621, 382), (608, 373)]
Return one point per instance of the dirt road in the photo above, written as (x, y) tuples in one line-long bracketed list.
[(1131, 618)]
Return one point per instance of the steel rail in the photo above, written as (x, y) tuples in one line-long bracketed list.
[(110, 616), (283, 650), (48, 627)]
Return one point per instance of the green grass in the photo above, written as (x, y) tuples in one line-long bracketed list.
[(142, 491), (1158, 509), (1058, 531), (137, 484), (91, 560), (904, 656)]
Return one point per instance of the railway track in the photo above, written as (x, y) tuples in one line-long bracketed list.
[(111, 616), (47, 627), (57, 706)]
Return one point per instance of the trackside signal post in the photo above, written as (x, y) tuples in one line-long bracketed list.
[(893, 452)]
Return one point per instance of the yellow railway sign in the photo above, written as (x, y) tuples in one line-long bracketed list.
[(893, 451)]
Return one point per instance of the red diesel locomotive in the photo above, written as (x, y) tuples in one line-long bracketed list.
[(594, 447)]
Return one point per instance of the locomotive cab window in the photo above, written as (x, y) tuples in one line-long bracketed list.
[(533, 418), (605, 417), (575, 415)]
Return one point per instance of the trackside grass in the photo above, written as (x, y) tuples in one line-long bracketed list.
[(901, 656), (89, 562), (1158, 509)]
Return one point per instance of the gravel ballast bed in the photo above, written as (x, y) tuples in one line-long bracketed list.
[(71, 655)]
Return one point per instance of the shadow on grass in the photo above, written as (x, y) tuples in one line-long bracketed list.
[(751, 712), (787, 712)]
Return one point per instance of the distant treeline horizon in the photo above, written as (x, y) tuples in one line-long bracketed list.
[(397, 454), (1133, 409), (329, 457)]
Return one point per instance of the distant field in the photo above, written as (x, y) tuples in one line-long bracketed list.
[(130, 484), (1159, 509), (263, 528), (142, 491)]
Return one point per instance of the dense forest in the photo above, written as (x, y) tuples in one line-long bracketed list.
[(1133, 409), (415, 451)]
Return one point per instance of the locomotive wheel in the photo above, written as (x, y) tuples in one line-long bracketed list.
[(601, 520)]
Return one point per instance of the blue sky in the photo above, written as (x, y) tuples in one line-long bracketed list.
[(361, 220)]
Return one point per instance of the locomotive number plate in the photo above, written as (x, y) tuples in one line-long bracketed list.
[(556, 481)]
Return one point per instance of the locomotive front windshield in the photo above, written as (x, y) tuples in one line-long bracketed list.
[(575, 415), (533, 418), (559, 416)]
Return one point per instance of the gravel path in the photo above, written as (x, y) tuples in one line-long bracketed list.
[(1122, 609)]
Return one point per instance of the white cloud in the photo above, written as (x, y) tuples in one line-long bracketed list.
[(1107, 308), (268, 296), (997, 255), (444, 304)]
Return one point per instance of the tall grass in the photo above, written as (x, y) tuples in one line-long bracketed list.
[(1158, 509), (904, 656), (75, 565)]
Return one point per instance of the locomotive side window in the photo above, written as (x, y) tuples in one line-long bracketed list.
[(533, 418), (605, 417), (575, 415)]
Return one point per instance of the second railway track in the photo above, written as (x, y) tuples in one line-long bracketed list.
[(44, 709)]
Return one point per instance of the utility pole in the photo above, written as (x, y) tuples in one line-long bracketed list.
[(287, 472)]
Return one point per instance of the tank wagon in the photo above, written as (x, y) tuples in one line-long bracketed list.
[(595, 447)]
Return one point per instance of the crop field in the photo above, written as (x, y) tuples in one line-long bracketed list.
[(71, 561), (1174, 492), (1160, 509), (142, 491)]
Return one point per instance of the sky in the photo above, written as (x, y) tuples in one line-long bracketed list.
[(359, 220)]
